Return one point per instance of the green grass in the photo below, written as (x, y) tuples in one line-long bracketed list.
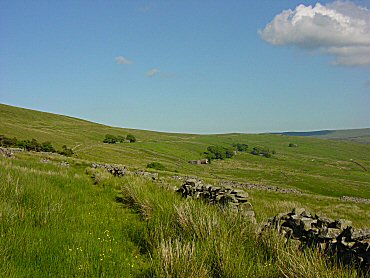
[(65, 222), (188, 238), (316, 166), (55, 223)]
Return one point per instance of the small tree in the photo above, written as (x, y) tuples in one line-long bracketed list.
[(218, 152), (262, 152), (131, 138), (120, 139), (47, 147), (240, 147), (66, 151), (110, 139)]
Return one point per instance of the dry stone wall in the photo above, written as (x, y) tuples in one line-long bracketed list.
[(236, 199), (6, 153), (336, 238), (260, 187), (115, 170)]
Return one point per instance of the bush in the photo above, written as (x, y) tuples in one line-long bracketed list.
[(66, 151), (8, 142), (120, 139), (110, 139), (218, 152), (156, 165), (262, 152), (240, 147), (47, 147), (131, 138)]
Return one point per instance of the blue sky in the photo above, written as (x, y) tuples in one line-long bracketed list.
[(189, 66)]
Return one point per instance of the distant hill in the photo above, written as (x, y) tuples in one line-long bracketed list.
[(324, 167), (361, 135)]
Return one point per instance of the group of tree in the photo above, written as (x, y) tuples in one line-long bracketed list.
[(221, 152), (112, 139), (240, 147), (33, 145), (261, 151), (218, 152)]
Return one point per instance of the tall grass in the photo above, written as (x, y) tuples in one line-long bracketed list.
[(64, 222), (188, 238), (56, 223)]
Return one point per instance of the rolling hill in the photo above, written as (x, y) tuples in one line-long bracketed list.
[(361, 135), (317, 166), (59, 216)]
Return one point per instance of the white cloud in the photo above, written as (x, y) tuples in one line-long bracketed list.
[(152, 72), (340, 29), (122, 60)]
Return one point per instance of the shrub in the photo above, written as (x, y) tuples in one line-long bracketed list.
[(156, 165), (8, 142), (47, 147), (218, 152), (131, 138), (262, 152), (66, 151), (110, 139), (240, 147), (120, 139)]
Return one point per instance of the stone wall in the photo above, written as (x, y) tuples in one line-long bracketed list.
[(115, 170), (236, 199), (153, 176), (6, 152), (260, 187), (336, 238)]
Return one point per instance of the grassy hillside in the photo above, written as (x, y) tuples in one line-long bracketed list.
[(322, 167), (59, 221), (355, 135), (64, 221)]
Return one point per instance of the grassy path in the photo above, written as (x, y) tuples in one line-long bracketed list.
[(54, 222)]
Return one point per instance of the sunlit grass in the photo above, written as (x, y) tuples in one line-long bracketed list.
[(62, 225)]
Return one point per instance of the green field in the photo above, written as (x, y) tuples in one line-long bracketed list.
[(54, 218)]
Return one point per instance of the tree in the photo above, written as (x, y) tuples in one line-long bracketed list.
[(120, 139), (262, 152), (131, 138), (110, 139), (47, 147), (218, 152), (240, 147), (66, 151)]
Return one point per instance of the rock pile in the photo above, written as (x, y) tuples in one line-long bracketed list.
[(6, 153), (334, 237), (115, 170), (143, 173), (236, 199), (64, 164)]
